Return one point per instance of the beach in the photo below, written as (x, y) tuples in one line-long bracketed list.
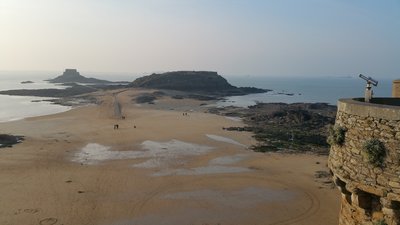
[(167, 163)]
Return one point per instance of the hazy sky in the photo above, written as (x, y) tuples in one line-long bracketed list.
[(233, 37)]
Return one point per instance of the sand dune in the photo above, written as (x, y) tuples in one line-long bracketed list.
[(74, 168)]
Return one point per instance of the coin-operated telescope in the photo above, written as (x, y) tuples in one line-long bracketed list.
[(368, 89)]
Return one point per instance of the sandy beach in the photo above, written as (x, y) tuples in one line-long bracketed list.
[(159, 167)]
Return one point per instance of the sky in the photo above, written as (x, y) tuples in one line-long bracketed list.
[(233, 37)]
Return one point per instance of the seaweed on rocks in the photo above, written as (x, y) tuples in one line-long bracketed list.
[(298, 127)]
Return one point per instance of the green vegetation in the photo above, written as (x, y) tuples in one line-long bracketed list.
[(375, 151), (278, 137), (336, 135)]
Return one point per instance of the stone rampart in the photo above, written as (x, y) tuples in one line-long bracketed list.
[(370, 191)]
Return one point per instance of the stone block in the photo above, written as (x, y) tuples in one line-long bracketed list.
[(382, 180), (376, 216), (393, 197), (396, 190), (387, 134), (395, 179), (355, 150), (378, 170), (394, 184), (370, 181), (388, 212)]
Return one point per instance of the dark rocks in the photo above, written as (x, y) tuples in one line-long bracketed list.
[(145, 98), (73, 90), (297, 127), (7, 140)]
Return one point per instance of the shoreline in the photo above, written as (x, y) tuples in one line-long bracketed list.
[(263, 119), (22, 107), (74, 168)]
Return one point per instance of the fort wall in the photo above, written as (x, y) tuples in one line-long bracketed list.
[(370, 192)]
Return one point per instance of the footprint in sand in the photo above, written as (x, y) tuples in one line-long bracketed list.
[(31, 211), (48, 221)]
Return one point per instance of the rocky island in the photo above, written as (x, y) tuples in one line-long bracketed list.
[(73, 76), (204, 82), (73, 81)]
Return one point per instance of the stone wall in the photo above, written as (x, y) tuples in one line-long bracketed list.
[(396, 89), (370, 193)]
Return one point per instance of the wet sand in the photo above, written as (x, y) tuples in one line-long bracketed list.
[(74, 168)]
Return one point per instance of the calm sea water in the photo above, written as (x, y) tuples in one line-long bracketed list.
[(19, 107), (322, 89), (304, 89)]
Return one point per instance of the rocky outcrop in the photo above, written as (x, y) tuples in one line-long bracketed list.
[(73, 76), (298, 127), (193, 81), (27, 82), (7, 140), (370, 189)]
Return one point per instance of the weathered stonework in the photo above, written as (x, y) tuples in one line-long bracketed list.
[(369, 193)]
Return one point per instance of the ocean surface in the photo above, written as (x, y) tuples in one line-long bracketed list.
[(286, 90), (304, 89)]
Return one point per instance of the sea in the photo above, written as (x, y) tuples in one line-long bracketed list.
[(327, 89)]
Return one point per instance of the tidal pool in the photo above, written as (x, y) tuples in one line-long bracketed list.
[(159, 153)]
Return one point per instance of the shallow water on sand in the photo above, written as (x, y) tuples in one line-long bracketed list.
[(160, 153), (163, 156), (215, 166), (209, 206), (211, 169), (224, 139), (19, 107), (243, 198), (231, 159)]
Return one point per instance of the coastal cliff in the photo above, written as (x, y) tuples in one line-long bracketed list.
[(193, 81)]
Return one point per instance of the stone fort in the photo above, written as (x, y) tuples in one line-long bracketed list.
[(366, 165)]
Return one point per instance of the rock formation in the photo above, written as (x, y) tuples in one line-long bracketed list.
[(7, 140), (192, 81), (73, 76), (297, 127)]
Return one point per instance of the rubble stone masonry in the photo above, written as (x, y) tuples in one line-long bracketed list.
[(370, 193)]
